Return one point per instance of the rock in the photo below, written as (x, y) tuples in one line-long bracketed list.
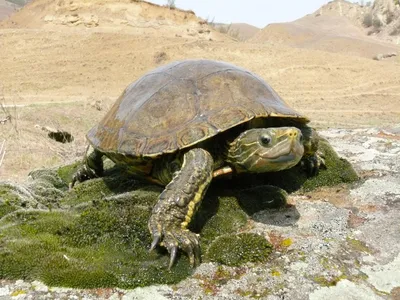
[(60, 136), (345, 289), (4, 291), (96, 235), (381, 56)]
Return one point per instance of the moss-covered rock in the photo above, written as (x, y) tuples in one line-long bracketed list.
[(237, 249), (96, 235)]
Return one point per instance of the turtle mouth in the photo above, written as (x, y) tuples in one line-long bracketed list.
[(280, 158), (284, 153), (283, 158)]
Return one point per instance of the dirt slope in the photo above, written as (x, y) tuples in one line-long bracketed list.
[(245, 31), (379, 19), (324, 32), (135, 17), (66, 77)]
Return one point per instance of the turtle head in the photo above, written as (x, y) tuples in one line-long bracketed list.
[(266, 149)]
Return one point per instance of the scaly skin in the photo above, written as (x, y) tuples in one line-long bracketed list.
[(177, 204)]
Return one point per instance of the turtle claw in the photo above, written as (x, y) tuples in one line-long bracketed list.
[(312, 164), (155, 242), (173, 251), (174, 239), (84, 173)]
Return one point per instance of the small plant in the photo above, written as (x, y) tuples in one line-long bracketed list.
[(171, 4), (396, 30), (376, 23), (367, 21), (389, 16), (6, 116)]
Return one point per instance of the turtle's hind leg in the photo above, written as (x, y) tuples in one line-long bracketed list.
[(177, 204), (92, 166)]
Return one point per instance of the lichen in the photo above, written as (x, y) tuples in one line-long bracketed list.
[(358, 245), (253, 293), (275, 273), (328, 281)]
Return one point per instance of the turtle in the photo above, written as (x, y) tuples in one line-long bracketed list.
[(190, 121)]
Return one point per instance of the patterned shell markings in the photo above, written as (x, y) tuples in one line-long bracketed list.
[(183, 103)]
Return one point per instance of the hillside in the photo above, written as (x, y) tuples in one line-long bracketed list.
[(135, 17), (336, 27), (380, 19)]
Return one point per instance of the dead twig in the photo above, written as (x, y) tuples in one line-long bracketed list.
[(5, 120), (8, 116), (2, 151)]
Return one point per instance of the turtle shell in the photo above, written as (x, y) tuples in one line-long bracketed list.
[(183, 103)]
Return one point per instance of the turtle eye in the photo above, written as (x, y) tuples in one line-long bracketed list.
[(301, 138), (265, 140)]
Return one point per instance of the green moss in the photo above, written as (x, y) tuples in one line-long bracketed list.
[(235, 250), (338, 170), (104, 245), (262, 197), (218, 216), (8, 201), (66, 172)]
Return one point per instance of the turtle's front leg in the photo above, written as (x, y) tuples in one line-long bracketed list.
[(177, 204), (92, 166), (312, 160)]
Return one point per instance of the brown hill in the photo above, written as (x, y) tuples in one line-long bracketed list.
[(327, 32), (243, 30), (137, 17)]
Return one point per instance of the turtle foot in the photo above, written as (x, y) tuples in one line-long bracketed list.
[(84, 173), (92, 167), (312, 164), (175, 238)]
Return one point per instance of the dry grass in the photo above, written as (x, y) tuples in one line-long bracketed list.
[(29, 147)]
